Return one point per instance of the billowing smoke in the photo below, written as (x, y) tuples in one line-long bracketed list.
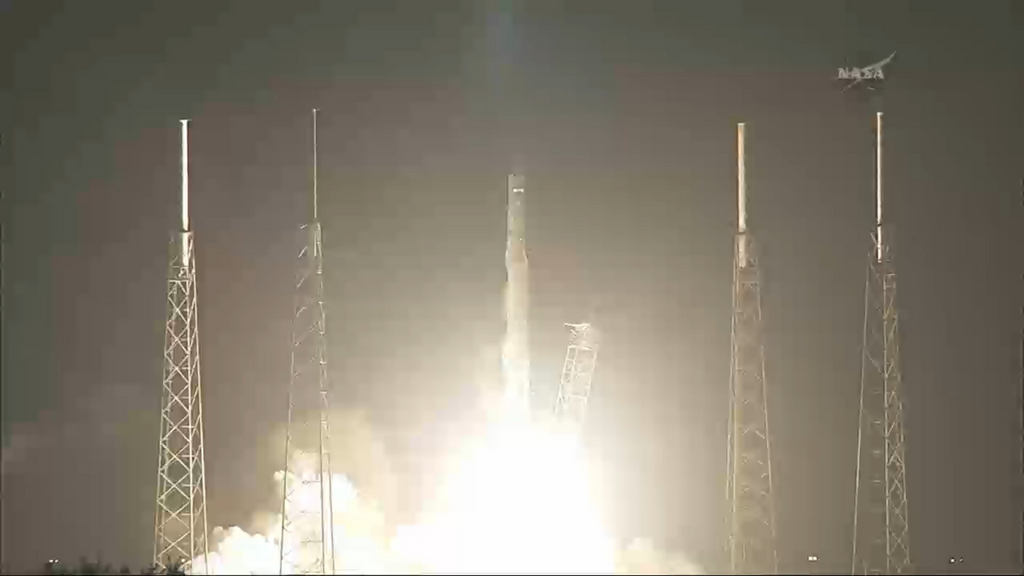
[(519, 503), (641, 557), (238, 552), (360, 536), (517, 499)]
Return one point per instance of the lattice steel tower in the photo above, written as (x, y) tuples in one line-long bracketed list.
[(881, 541), (180, 532), (307, 528), (577, 376), (751, 541)]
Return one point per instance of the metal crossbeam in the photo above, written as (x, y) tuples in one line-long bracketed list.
[(181, 532), (881, 533), (881, 523), (577, 377), (307, 541), (751, 543)]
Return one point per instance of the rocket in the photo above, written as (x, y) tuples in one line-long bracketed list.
[(516, 350)]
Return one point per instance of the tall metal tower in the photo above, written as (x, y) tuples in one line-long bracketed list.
[(307, 527), (751, 540), (577, 375), (180, 532), (881, 541)]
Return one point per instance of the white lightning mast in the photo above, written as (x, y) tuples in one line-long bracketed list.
[(184, 175), (180, 533), (879, 243), (881, 540), (749, 494), (741, 179)]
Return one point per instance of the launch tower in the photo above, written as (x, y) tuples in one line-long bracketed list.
[(751, 542), (307, 522), (881, 541), (180, 533), (577, 375)]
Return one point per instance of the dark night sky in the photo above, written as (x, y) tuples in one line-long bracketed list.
[(623, 116)]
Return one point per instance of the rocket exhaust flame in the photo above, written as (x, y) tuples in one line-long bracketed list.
[(519, 501)]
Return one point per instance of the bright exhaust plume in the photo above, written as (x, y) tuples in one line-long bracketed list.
[(518, 500)]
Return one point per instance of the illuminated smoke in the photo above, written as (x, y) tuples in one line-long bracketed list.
[(519, 503), (641, 557), (238, 552), (518, 499), (360, 535)]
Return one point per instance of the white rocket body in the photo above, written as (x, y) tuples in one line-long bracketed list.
[(516, 350)]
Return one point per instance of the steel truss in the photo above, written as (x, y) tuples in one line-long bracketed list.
[(881, 543), (751, 540), (307, 529), (577, 377), (180, 533)]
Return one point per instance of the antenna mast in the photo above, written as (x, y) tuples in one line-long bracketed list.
[(184, 175), (180, 532), (315, 216), (879, 243), (881, 541), (751, 542), (307, 510)]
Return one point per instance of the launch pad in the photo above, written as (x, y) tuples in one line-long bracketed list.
[(307, 537)]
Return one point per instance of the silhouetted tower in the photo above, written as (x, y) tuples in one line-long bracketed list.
[(307, 529), (577, 376), (751, 540), (180, 532), (881, 541)]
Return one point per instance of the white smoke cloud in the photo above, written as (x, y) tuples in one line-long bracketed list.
[(642, 557), (518, 500), (360, 534), (520, 505), (235, 551)]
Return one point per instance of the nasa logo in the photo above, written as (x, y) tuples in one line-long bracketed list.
[(855, 75), (861, 74)]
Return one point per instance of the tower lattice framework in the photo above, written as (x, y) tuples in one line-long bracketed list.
[(180, 533), (577, 377), (881, 543), (751, 509), (307, 528)]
